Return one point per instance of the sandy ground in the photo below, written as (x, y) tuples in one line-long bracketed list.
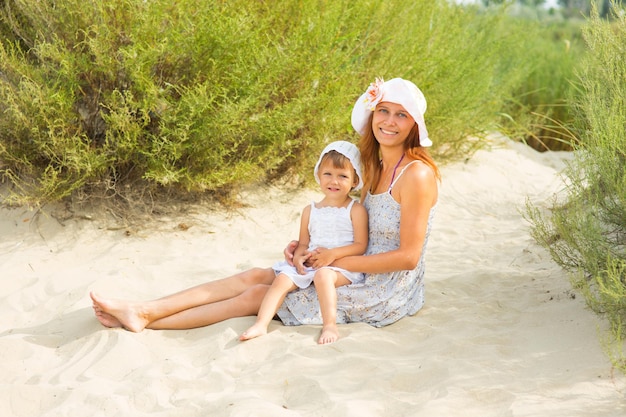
[(502, 333)]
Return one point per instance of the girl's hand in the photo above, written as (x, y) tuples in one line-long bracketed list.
[(323, 257), (300, 263)]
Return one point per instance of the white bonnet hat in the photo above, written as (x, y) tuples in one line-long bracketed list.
[(347, 149), (397, 91)]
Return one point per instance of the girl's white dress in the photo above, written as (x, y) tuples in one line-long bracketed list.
[(381, 299), (329, 227)]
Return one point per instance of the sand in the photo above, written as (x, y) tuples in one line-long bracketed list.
[(502, 332)]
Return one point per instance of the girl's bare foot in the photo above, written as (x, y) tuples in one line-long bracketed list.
[(330, 334), (255, 331), (118, 313)]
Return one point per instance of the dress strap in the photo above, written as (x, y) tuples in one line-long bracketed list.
[(402, 172)]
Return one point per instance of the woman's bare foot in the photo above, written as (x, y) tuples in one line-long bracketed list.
[(255, 331), (118, 313), (330, 334), (106, 319)]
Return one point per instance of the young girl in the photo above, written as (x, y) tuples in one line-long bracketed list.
[(334, 227)]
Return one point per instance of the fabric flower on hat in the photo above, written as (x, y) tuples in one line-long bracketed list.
[(374, 94)]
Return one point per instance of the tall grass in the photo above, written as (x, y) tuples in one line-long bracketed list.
[(539, 112), (199, 96), (586, 233)]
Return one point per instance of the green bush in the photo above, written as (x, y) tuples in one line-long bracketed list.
[(208, 95), (538, 111), (586, 233)]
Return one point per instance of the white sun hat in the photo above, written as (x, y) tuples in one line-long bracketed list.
[(347, 149), (396, 90)]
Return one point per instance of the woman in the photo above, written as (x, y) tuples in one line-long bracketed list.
[(400, 194)]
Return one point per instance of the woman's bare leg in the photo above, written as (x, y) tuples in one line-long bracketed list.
[(135, 316), (244, 304), (326, 282), (273, 299)]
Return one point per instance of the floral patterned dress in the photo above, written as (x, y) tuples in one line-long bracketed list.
[(381, 299)]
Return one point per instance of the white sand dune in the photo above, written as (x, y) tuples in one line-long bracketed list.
[(502, 333)]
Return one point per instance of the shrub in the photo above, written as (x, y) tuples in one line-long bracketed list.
[(198, 96), (538, 112), (587, 232)]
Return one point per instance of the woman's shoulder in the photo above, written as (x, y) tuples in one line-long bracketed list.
[(419, 179), (419, 171), (420, 166)]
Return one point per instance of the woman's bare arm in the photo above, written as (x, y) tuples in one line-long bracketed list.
[(416, 192)]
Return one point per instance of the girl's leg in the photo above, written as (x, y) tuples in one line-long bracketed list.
[(135, 316), (326, 281), (273, 299)]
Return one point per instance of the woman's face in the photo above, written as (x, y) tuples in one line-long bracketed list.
[(391, 123)]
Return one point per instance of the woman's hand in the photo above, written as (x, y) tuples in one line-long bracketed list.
[(289, 251)]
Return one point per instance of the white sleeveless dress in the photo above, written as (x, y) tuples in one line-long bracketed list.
[(329, 227), (381, 299)]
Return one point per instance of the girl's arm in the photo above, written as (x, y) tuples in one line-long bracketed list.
[(416, 192), (358, 215)]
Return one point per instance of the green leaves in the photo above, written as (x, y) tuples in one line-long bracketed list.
[(205, 96), (587, 232)]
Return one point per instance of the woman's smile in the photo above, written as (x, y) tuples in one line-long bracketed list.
[(388, 132)]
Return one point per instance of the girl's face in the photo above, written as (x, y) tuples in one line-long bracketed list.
[(391, 123), (336, 182)]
